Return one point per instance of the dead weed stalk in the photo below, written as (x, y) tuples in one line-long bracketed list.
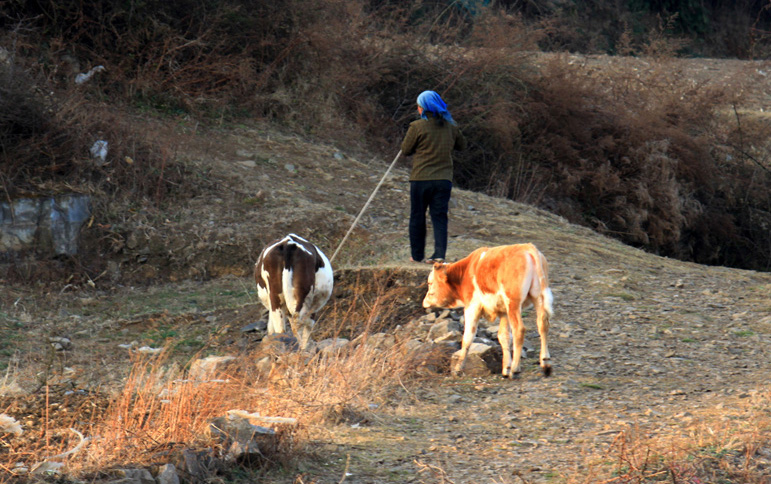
[(727, 444), (161, 408)]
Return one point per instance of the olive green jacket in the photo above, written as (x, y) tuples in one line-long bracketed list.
[(432, 146)]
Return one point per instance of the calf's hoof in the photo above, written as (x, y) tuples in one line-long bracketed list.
[(546, 370), (457, 370)]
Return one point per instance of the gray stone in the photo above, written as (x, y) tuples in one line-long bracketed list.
[(331, 346), (47, 226), (167, 474), (261, 325), (138, 476), (197, 466), (209, 367), (381, 341), (60, 343), (445, 330), (242, 438), (481, 360)]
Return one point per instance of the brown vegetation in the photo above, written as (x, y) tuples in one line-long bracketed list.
[(655, 159)]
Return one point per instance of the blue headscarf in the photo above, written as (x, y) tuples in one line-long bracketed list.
[(432, 102)]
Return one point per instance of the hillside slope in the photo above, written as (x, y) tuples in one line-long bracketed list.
[(640, 344)]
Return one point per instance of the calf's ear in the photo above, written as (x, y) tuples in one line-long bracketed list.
[(440, 273)]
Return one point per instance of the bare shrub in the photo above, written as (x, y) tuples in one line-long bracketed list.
[(707, 29), (635, 154), (46, 140)]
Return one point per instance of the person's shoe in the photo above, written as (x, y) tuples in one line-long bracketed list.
[(417, 261), (434, 259)]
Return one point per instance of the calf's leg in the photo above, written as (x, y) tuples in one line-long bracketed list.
[(302, 325), (543, 330), (505, 339), (515, 316), (471, 317)]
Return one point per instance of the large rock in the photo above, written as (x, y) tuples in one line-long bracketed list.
[(242, 440), (279, 344), (481, 360), (209, 367), (331, 346), (167, 474), (445, 330), (44, 226)]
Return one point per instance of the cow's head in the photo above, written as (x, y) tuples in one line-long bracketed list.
[(440, 293)]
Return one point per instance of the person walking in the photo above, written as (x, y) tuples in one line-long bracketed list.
[(431, 140)]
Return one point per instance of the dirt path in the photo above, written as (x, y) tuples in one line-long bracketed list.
[(631, 351)]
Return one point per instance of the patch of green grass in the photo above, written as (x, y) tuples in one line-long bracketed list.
[(552, 476), (625, 296), (172, 300), (256, 201), (160, 335), (744, 333), (713, 451), (189, 345), (688, 340), (593, 386)]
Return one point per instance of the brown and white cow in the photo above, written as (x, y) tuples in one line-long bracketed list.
[(294, 280), (496, 282)]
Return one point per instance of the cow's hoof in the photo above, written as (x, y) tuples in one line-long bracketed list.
[(546, 370)]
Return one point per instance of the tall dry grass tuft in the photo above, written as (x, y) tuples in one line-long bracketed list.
[(726, 444), (346, 385), (160, 409)]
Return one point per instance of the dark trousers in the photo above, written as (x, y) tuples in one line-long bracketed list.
[(433, 195)]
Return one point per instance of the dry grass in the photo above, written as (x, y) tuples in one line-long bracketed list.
[(159, 409), (159, 412), (638, 155), (723, 445), (164, 407), (731, 443)]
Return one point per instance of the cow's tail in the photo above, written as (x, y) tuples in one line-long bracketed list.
[(543, 292)]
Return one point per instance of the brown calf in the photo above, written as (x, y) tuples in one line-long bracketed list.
[(496, 282)]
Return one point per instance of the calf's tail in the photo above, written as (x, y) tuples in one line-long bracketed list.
[(542, 273)]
